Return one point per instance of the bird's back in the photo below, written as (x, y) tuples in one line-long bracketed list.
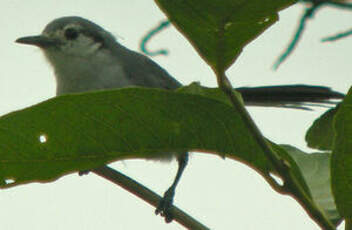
[(142, 71)]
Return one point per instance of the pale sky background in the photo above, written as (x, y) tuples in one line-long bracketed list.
[(222, 194)]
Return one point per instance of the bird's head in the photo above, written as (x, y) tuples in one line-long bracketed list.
[(82, 53), (70, 37)]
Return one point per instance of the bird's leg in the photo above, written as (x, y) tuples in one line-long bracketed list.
[(167, 200)]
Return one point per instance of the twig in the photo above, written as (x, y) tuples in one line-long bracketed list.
[(309, 13), (337, 36), (149, 35), (147, 195)]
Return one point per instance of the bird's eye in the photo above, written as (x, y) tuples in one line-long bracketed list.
[(71, 34)]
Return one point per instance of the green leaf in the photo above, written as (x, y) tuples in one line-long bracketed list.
[(321, 134), (315, 168), (341, 163), (213, 93), (84, 131), (220, 29)]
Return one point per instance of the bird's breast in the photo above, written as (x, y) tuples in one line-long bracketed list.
[(83, 75)]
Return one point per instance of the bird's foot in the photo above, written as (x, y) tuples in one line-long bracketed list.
[(165, 204)]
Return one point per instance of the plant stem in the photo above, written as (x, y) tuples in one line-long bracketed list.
[(291, 184), (348, 224)]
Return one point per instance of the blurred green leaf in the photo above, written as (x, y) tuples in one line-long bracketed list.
[(315, 168), (341, 162), (220, 29), (321, 134), (85, 131)]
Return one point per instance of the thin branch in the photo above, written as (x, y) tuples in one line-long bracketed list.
[(143, 46), (309, 13), (147, 195), (337, 36), (340, 5)]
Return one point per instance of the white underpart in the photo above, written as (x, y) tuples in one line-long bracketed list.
[(81, 65)]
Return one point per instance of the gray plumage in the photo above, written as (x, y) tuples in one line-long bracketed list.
[(107, 64)]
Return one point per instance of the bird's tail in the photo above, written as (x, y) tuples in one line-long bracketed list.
[(290, 96)]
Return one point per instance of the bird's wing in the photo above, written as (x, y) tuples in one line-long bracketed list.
[(142, 71)]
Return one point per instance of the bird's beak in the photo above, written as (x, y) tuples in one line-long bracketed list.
[(39, 40)]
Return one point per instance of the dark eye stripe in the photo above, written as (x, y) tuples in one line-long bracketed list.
[(71, 34)]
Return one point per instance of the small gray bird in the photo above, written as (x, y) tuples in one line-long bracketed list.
[(86, 57)]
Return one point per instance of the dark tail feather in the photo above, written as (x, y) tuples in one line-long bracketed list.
[(289, 96)]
